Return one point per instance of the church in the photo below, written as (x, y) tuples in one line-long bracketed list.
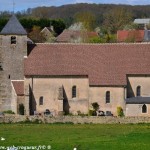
[(68, 77)]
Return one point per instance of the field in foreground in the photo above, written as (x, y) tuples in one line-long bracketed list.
[(84, 137)]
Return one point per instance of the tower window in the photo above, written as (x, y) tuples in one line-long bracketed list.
[(1, 67), (74, 91), (108, 97), (41, 100), (144, 109), (13, 39), (138, 91)]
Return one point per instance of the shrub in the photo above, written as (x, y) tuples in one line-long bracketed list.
[(120, 112), (95, 106), (92, 113), (8, 112)]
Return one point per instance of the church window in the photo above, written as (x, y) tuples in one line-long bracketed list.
[(108, 97), (74, 91), (13, 39), (138, 91), (41, 100), (144, 109)]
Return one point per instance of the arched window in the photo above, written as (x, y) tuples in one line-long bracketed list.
[(108, 97), (41, 100), (74, 91), (138, 91), (144, 109), (13, 39)]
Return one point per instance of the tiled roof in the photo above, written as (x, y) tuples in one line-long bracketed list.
[(105, 64), (19, 87), (13, 27), (129, 35), (68, 35)]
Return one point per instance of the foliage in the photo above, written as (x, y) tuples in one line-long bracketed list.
[(131, 26), (95, 106), (92, 113), (116, 19), (21, 109), (87, 18), (120, 112), (8, 112), (105, 38), (29, 23), (36, 35)]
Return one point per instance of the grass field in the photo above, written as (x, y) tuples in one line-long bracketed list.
[(84, 137)]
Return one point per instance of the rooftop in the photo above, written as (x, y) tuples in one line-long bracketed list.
[(13, 27), (104, 64)]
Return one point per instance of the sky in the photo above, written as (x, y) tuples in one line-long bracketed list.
[(19, 5)]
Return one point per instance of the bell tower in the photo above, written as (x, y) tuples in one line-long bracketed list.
[(13, 48)]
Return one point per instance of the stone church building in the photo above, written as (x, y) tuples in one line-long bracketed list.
[(69, 77)]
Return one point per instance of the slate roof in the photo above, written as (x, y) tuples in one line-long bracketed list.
[(13, 27), (19, 87), (127, 35), (138, 100), (142, 21), (104, 64), (67, 35)]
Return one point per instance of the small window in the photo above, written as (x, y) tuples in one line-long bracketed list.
[(108, 97), (1, 67), (138, 91), (74, 92), (41, 100), (144, 109), (9, 76), (13, 40)]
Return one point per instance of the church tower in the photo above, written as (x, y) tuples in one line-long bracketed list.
[(13, 48)]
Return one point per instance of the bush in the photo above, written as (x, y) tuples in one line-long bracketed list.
[(95, 106), (8, 112), (120, 112), (92, 113)]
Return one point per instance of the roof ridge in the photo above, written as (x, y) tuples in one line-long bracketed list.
[(137, 43)]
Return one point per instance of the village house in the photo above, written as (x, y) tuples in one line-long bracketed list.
[(69, 77)]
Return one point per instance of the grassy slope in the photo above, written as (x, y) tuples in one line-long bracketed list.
[(85, 137)]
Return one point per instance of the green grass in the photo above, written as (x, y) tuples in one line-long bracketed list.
[(84, 137)]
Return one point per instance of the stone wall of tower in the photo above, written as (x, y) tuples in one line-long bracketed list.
[(12, 58)]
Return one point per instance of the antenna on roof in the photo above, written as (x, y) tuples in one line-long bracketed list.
[(13, 6)]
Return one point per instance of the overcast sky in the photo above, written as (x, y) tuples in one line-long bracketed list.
[(24, 4)]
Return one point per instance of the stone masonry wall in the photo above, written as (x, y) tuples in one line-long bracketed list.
[(74, 119)]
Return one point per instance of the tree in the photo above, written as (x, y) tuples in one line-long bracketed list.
[(35, 35), (116, 19), (87, 18)]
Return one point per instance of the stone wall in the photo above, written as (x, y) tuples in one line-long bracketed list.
[(74, 119)]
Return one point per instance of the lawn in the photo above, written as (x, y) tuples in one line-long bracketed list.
[(84, 137)]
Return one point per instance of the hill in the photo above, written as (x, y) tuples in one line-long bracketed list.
[(67, 12)]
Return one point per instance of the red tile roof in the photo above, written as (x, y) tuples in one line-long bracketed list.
[(67, 35), (19, 87), (129, 35), (105, 64)]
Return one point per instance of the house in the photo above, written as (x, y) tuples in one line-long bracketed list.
[(142, 22), (69, 77), (130, 35), (133, 36), (75, 36), (48, 33)]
